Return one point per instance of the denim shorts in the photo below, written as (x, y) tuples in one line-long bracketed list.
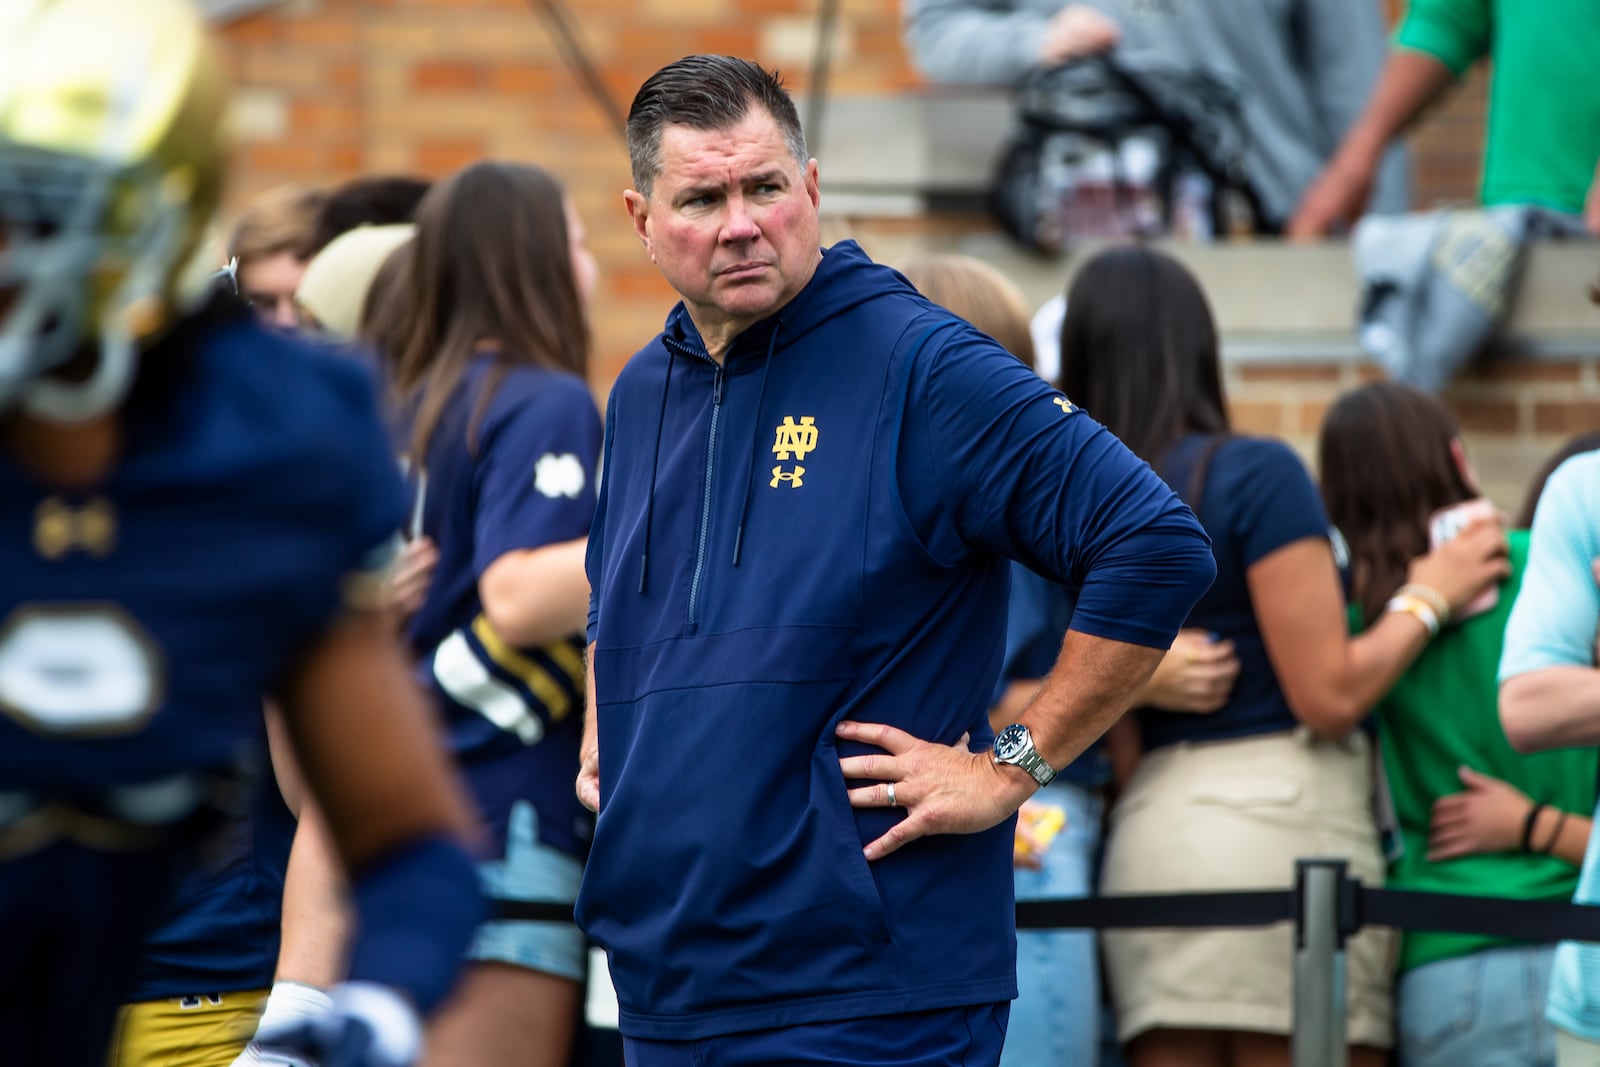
[(531, 871), (1484, 1009)]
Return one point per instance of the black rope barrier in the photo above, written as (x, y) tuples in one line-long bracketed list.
[(1157, 911), (1536, 921)]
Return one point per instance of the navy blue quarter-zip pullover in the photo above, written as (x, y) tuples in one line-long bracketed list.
[(818, 529)]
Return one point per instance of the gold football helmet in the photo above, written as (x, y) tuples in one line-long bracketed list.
[(111, 165)]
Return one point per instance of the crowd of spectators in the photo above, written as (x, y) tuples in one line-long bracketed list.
[(1387, 668)]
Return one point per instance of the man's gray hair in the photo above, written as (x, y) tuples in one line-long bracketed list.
[(705, 92)]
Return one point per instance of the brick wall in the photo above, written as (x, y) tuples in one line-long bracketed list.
[(1513, 414), (332, 88)]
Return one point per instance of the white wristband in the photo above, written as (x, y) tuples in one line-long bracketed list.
[(1417, 608), (290, 1003)]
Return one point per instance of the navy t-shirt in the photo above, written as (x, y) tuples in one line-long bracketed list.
[(1037, 616), (525, 480), (1257, 497)]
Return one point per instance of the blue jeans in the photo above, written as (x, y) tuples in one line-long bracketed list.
[(1055, 1019), (1481, 1010)]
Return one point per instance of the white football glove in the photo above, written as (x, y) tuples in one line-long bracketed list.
[(288, 1004), (367, 1025)]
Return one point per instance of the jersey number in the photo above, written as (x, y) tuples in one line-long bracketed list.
[(77, 670)]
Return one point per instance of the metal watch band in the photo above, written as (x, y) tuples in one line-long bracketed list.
[(1035, 765)]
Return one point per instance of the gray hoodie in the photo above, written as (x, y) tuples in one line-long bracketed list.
[(1303, 68)]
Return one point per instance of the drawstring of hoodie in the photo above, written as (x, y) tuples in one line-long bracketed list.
[(755, 448), (655, 464)]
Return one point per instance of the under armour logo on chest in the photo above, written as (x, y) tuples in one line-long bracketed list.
[(794, 477)]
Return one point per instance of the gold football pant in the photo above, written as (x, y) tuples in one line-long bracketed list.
[(198, 1031)]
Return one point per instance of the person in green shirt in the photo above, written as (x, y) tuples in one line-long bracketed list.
[(1474, 816), (1542, 142)]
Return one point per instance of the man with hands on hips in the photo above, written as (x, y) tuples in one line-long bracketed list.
[(814, 480)]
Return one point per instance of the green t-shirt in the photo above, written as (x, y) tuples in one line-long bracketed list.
[(1543, 136), (1443, 713)]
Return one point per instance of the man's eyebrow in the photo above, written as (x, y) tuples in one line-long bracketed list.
[(689, 192)]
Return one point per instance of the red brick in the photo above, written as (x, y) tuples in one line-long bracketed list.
[(632, 285), (258, 29), (1486, 416), (526, 78), (438, 156), (1308, 419), (734, 40), (324, 32), (1256, 416), (1566, 416), (344, 74), (347, 160), (645, 46), (1526, 370), (324, 116), (434, 74), (1290, 373), (773, 7), (299, 157)]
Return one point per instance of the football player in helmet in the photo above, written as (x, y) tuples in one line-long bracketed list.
[(194, 513)]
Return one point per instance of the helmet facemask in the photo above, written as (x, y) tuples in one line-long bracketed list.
[(110, 153)]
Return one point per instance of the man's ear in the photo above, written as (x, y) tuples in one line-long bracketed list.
[(639, 211)]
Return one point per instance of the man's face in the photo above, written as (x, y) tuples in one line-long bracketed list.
[(267, 283), (731, 221)]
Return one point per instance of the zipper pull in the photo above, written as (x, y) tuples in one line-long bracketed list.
[(716, 387)]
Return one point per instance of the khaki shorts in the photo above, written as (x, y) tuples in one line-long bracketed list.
[(1575, 1051), (1236, 815)]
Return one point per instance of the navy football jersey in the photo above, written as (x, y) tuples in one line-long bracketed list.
[(525, 480), (141, 622), (220, 931)]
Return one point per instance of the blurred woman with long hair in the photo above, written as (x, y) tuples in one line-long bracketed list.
[(1055, 1019), (488, 342), (1283, 769), (1474, 816)]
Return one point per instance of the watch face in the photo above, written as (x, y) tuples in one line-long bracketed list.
[(1011, 742)]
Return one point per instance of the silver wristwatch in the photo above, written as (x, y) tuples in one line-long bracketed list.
[(1014, 745)]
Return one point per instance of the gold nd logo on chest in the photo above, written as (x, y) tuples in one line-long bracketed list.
[(794, 441), (59, 528)]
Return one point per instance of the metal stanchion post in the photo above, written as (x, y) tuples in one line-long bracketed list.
[(1319, 965)]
